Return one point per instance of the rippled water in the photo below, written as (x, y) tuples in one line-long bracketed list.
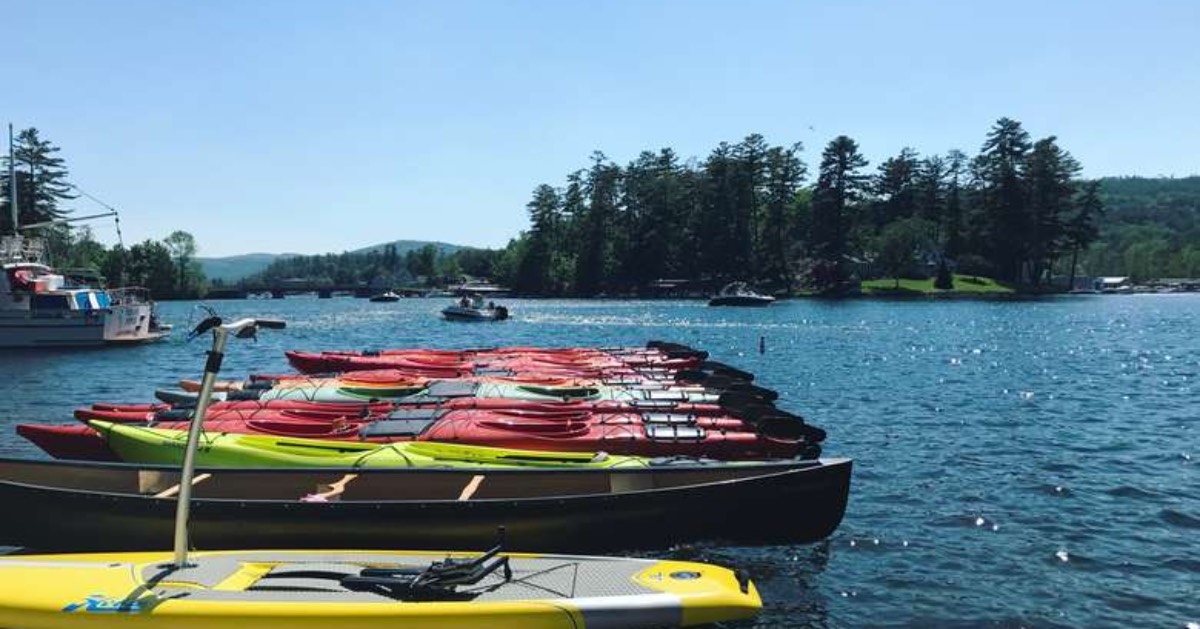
[(1016, 464)]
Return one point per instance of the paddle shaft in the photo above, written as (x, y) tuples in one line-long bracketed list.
[(184, 503)]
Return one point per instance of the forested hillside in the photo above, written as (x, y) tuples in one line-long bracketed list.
[(391, 264), (1151, 228)]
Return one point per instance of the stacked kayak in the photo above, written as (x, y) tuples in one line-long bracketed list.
[(386, 409), (705, 431), (658, 356)]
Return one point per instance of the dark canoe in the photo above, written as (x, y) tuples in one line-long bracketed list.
[(60, 506)]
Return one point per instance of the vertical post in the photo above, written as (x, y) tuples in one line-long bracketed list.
[(12, 180), (183, 503)]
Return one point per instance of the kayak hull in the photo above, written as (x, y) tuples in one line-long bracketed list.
[(114, 507)]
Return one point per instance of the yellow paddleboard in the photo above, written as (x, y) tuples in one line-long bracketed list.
[(317, 589)]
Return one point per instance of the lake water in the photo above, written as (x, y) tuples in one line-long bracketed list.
[(1016, 464)]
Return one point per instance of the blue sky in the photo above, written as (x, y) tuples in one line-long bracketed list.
[(322, 126)]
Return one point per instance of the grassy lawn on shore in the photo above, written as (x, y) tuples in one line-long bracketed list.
[(962, 284)]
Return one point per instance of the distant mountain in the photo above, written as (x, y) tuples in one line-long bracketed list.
[(404, 246), (234, 268)]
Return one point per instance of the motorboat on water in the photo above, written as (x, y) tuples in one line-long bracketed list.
[(40, 307), (473, 309), (385, 297), (740, 294)]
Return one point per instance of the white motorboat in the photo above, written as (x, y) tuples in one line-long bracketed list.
[(39, 307), (473, 309)]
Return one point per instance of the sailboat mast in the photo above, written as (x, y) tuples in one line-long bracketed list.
[(12, 180)]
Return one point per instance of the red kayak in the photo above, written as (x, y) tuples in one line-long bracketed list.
[(161, 412), (603, 365), (637, 433)]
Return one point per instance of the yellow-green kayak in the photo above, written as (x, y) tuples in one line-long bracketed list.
[(139, 444)]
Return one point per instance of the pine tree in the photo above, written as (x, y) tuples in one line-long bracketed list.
[(785, 174), (956, 163), (1000, 169), (930, 191), (839, 185), (749, 176), (594, 265), (41, 181), (895, 185), (1081, 229), (716, 231), (533, 271), (1050, 175)]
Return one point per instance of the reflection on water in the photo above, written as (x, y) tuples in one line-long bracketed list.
[(1016, 464)]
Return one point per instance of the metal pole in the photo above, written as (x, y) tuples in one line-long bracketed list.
[(184, 502), (12, 179)]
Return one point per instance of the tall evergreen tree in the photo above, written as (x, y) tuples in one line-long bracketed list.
[(952, 226), (594, 265), (41, 181), (533, 271), (1051, 174), (1080, 229), (716, 232), (839, 185), (1000, 169), (896, 186), (749, 176), (785, 174), (930, 191)]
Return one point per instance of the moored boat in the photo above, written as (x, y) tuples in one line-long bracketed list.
[(385, 297), (41, 307), (740, 294)]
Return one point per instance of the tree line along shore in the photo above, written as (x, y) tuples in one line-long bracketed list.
[(1013, 217)]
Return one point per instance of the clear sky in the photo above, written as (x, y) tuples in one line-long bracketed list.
[(306, 126)]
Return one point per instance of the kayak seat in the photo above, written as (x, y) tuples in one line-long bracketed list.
[(658, 432), (451, 388), (673, 419), (428, 414), (395, 428)]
